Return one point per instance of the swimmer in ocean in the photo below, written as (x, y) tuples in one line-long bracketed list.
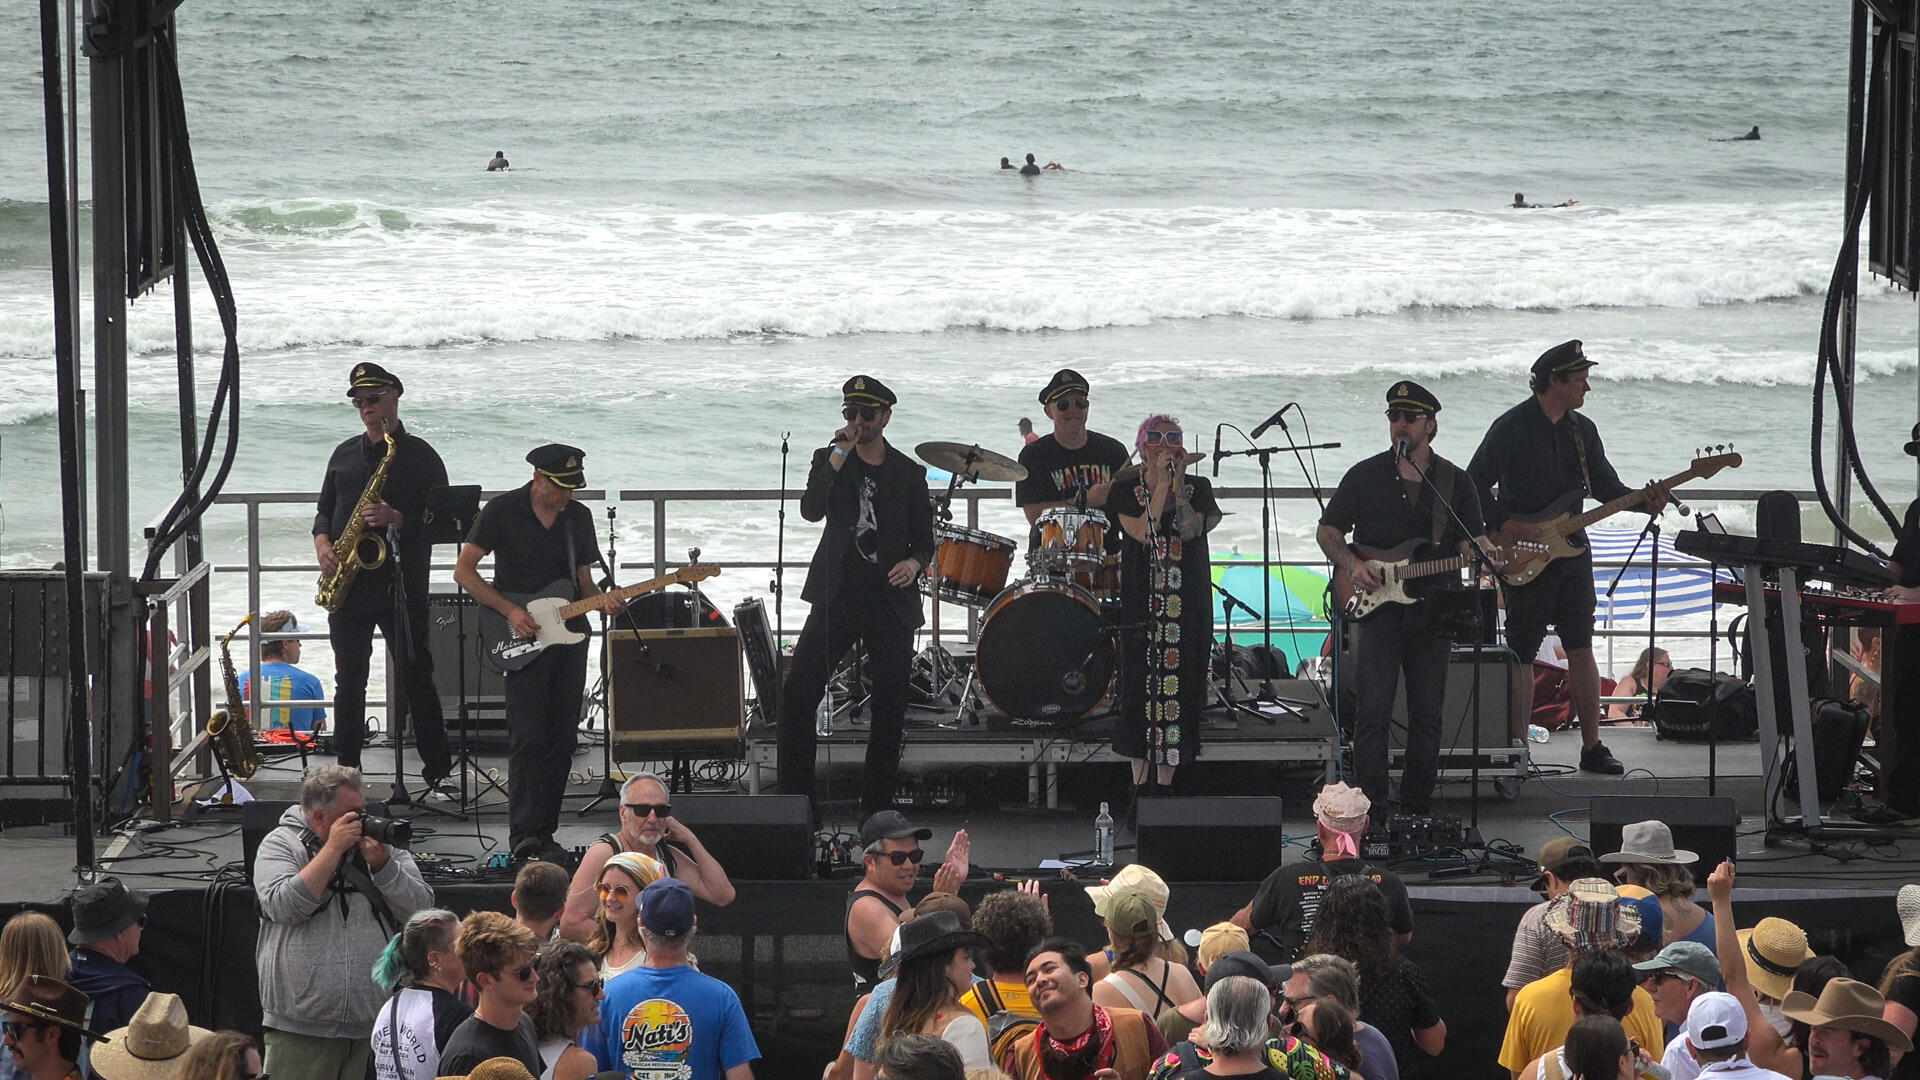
[(499, 162), (1520, 203), (1029, 169), (1005, 164), (1054, 165), (1752, 135)]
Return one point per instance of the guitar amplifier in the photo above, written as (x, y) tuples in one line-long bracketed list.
[(677, 692), (448, 613)]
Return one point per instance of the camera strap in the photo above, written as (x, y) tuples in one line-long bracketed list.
[(355, 874)]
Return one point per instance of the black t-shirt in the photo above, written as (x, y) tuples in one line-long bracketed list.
[(1906, 551), (1057, 474), (1285, 904), (1398, 1005), (861, 564), (1534, 461), (527, 555), (475, 1040), (1376, 506), (416, 469)]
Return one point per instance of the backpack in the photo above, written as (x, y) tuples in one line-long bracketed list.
[(1694, 705), (1004, 1027)]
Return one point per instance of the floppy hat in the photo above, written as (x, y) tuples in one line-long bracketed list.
[(1908, 903), (1342, 808), (1139, 878), (1849, 1005), (1715, 1020), (150, 1047), (930, 935), (103, 909), (1589, 916), (1649, 842), (1773, 948), (1689, 958)]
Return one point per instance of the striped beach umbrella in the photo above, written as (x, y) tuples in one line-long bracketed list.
[(1685, 583)]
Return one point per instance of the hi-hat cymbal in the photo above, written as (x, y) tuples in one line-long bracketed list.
[(1131, 472), (962, 459)]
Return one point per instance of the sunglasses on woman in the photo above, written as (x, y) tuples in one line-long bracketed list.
[(613, 892), (1171, 438)]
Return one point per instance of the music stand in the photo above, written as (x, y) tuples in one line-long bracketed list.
[(449, 517)]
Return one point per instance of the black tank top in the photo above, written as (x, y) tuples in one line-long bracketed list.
[(663, 852), (866, 970)]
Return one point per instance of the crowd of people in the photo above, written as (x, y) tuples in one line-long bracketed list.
[(1611, 976)]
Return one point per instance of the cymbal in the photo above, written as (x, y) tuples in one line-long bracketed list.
[(963, 459), (1132, 472)]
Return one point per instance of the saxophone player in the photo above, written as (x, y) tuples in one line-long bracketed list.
[(374, 596)]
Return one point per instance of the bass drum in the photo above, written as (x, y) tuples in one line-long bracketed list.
[(1043, 653), (676, 610)]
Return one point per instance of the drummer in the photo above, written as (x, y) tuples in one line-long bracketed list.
[(1071, 463)]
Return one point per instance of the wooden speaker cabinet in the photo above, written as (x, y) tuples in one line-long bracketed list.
[(677, 692)]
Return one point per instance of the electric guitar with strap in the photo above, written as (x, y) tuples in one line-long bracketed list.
[(1557, 524), (505, 651)]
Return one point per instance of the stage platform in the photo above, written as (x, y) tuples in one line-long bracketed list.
[(780, 942)]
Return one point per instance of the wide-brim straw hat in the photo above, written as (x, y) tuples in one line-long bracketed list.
[(150, 1047), (1590, 915), (498, 1068), (1140, 879), (1773, 948), (1650, 842), (1849, 1005)]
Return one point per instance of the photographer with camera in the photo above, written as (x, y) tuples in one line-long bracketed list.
[(333, 884)]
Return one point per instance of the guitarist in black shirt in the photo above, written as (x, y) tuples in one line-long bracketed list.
[(1394, 516), (537, 534), (1535, 453)]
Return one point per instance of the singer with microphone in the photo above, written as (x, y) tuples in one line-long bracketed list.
[(537, 535), (1398, 499), (1166, 608), (860, 587)]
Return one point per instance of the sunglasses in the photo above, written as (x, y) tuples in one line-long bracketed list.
[(1171, 438), (898, 858), (1405, 416), (1070, 403), (596, 985), (861, 412), (615, 892), (361, 401), (19, 1028), (524, 972), (642, 809), (141, 922)]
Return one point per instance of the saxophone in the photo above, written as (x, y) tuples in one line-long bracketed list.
[(230, 726), (356, 547)]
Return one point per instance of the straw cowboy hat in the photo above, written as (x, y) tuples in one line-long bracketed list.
[(1773, 948), (1650, 842), (1908, 903), (150, 1047), (1849, 1005)]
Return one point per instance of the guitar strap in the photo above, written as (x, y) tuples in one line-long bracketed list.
[(573, 565), (1580, 448), (1442, 478)]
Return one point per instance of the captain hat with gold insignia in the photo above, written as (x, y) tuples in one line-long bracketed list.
[(867, 390), (368, 375), (1563, 358), (559, 463), (1412, 396), (1065, 381)]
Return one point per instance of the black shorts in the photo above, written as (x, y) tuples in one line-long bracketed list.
[(1561, 596)]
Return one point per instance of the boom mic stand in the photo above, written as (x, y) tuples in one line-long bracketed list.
[(449, 516), (403, 626), (1653, 596)]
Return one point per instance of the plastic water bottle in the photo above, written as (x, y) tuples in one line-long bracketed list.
[(1538, 734), (1103, 837), (823, 717)]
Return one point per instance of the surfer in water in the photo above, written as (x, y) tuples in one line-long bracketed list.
[(1005, 164), (1752, 135), (1029, 169), (499, 162), (1520, 203)]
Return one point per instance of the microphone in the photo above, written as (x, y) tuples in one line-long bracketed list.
[(1401, 448), (1216, 448), (1674, 501), (1272, 420)]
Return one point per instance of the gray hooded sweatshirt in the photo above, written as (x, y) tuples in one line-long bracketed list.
[(316, 953)]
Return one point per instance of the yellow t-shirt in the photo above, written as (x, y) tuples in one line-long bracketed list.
[(1543, 1013), (1013, 998)]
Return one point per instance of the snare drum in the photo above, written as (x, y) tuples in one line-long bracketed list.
[(1043, 652), (972, 564), (1071, 540)]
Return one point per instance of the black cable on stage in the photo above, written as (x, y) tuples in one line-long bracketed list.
[(186, 509), (1842, 287)]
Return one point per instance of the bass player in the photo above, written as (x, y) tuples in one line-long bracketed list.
[(1384, 502), (537, 535), (1534, 453), (372, 598)]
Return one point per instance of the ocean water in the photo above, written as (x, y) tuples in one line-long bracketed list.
[(718, 212)]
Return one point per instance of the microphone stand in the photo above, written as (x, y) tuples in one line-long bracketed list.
[(1481, 564), (1265, 454), (1653, 601), (777, 585)]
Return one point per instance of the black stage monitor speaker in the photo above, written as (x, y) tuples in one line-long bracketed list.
[(1704, 824), (755, 837), (1184, 839), (677, 692)]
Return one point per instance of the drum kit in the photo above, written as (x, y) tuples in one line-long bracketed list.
[(1045, 652)]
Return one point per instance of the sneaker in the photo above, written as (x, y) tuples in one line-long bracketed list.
[(445, 789), (1598, 759)]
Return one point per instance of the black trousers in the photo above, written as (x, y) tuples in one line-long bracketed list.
[(543, 727), (1392, 642), (1900, 672), (854, 614), (350, 631)]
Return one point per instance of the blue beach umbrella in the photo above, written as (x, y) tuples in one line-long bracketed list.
[(1298, 606)]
